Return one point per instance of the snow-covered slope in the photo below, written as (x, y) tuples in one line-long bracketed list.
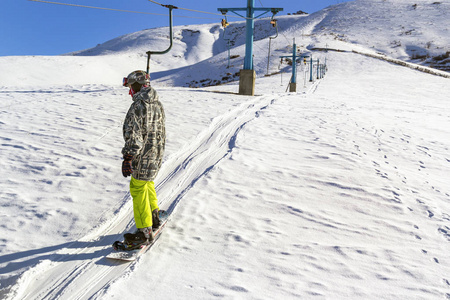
[(415, 31), (339, 191)]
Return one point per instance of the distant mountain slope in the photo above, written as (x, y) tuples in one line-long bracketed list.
[(411, 30)]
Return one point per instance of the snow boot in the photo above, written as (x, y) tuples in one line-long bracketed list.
[(148, 233), (143, 236), (155, 219)]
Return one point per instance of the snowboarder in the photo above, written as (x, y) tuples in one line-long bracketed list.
[(145, 135)]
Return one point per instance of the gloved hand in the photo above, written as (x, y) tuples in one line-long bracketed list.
[(127, 170)]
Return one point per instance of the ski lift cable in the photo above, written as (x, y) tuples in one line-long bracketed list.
[(197, 11), (104, 8), (216, 14), (140, 12), (113, 9), (282, 33)]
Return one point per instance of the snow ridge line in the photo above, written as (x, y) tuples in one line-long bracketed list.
[(399, 62), (406, 64)]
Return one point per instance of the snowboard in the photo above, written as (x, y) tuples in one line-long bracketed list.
[(132, 255)]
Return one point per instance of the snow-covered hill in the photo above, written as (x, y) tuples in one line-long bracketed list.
[(413, 31), (416, 31), (338, 191), (409, 30)]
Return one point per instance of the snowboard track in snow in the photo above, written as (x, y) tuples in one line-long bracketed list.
[(79, 270), (212, 146)]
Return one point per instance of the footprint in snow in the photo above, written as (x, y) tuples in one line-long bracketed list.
[(445, 231)]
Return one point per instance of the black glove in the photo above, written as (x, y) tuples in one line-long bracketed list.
[(127, 170)]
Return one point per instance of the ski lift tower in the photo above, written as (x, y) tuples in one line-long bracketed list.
[(247, 75), (295, 59)]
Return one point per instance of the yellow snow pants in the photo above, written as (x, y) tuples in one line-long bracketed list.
[(144, 201)]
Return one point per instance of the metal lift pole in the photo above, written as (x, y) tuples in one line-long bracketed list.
[(293, 85), (149, 53), (250, 26), (247, 74), (295, 59)]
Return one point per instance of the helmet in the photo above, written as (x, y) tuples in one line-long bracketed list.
[(138, 76)]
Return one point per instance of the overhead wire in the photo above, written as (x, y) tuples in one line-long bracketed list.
[(205, 12), (197, 11), (140, 12), (104, 8), (113, 9), (282, 33), (148, 13)]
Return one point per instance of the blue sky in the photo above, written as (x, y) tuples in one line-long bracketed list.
[(32, 28)]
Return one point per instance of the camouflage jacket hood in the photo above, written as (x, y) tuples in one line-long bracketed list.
[(144, 134)]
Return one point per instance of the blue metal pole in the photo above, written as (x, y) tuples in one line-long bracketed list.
[(294, 64), (250, 25), (318, 64), (310, 70)]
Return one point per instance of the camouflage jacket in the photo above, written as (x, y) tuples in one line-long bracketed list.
[(145, 134)]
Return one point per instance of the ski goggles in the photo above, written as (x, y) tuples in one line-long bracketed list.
[(125, 81)]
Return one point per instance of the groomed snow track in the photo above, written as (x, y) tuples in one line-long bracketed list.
[(79, 270)]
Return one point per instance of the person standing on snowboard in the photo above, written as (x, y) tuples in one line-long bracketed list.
[(145, 135)]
